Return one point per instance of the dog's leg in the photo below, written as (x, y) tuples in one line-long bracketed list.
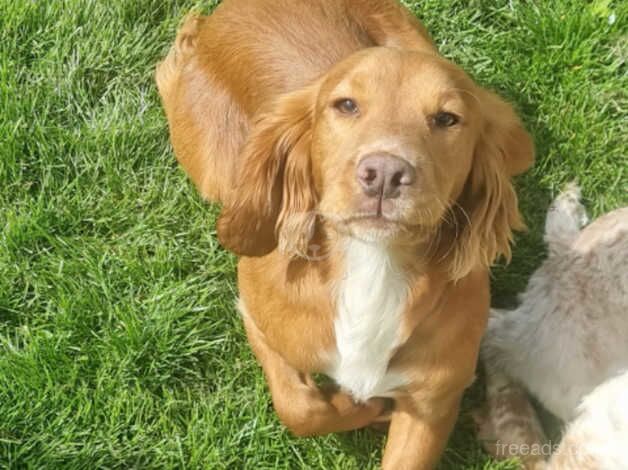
[(508, 426), (565, 218), (417, 439), (207, 126), (301, 405)]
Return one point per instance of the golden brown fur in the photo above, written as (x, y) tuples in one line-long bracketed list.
[(249, 93)]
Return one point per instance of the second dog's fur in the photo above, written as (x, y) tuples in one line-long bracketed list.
[(568, 336)]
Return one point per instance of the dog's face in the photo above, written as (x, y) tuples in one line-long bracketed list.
[(390, 146), (392, 143)]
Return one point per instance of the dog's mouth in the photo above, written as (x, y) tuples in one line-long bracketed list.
[(369, 219), (372, 218), (370, 226), (374, 225), (377, 227)]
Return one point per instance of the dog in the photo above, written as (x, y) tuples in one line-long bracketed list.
[(566, 345), (596, 439), (366, 185)]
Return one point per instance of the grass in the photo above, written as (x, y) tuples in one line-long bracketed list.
[(119, 342)]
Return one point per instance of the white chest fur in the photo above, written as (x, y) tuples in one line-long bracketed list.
[(369, 303)]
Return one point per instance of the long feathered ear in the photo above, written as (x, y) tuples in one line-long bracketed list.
[(274, 198), (487, 210)]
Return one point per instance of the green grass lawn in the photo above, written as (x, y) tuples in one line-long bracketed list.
[(120, 346)]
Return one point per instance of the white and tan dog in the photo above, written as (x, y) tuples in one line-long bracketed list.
[(566, 345)]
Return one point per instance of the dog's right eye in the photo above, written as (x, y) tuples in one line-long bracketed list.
[(346, 106), (443, 119)]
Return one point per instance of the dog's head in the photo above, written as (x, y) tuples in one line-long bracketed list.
[(389, 146)]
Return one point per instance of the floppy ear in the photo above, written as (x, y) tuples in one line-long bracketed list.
[(487, 210), (274, 200), (515, 144)]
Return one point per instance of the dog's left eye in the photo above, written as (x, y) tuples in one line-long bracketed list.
[(445, 119), (346, 106)]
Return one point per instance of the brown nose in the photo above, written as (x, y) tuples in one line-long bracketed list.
[(383, 175)]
